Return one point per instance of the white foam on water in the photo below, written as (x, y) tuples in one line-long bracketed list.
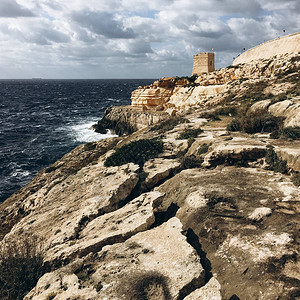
[(83, 133), (20, 173)]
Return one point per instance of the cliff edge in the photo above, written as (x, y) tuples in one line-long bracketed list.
[(199, 201)]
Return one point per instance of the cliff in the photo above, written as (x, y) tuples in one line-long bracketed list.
[(203, 204)]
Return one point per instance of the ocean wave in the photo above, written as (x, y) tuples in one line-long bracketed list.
[(83, 133)]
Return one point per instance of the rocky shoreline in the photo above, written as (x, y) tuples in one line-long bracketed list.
[(214, 214)]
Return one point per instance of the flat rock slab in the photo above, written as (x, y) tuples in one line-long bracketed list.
[(155, 264), (64, 211), (159, 169), (109, 228)]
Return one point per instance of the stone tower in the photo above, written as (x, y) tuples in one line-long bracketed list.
[(203, 63)]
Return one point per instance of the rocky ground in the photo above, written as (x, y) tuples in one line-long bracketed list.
[(209, 217)]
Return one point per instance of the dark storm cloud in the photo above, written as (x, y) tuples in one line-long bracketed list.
[(11, 9), (102, 23)]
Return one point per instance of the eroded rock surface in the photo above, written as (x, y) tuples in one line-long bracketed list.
[(157, 264), (217, 204)]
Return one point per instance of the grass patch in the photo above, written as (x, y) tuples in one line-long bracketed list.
[(137, 152), (21, 266), (190, 133)]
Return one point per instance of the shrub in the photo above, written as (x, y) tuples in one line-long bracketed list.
[(291, 133), (234, 125), (190, 133), (227, 110), (191, 79), (190, 162), (21, 266), (253, 122), (212, 115), (296, 179), (190, 141), (203, 149), (137, 152), (275, 163)]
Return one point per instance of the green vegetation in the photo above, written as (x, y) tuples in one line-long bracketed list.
[(296, 179), (191, 79), (255, 121), (168, 124), (190, 133), (275, 163), (203, 149), (255, 91), (137, 152), (21, 266), (190, 141), (190, 162), (214, 115), (292, 133)]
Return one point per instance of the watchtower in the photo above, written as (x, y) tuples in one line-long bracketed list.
[(203, 63)]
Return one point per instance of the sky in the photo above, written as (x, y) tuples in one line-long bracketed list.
[(94, 39)]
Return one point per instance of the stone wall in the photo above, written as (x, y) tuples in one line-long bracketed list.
[(279, 46)]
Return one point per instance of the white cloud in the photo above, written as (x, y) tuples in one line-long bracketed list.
[(133, 37), (11, 9)]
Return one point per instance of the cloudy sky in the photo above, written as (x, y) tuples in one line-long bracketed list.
[(132, 38)]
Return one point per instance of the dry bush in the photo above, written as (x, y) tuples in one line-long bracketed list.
[(21, 266)]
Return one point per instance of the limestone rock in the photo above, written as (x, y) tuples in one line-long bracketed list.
[(219, 86), (233, 152), (158, 264), (159, 169), (288, 109), (171, 111), (60, 215), (216, 205), (259, 213), (211, 291), (127, 119), (109, 228)]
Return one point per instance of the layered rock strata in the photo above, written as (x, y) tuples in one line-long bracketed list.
[(261, 78)]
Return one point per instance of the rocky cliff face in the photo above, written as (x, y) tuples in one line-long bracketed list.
[(260, 79), (215, 215)]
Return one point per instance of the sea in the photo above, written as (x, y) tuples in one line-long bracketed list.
[(41, 120)]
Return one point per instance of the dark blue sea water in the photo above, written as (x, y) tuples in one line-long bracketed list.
[(41, 120)]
